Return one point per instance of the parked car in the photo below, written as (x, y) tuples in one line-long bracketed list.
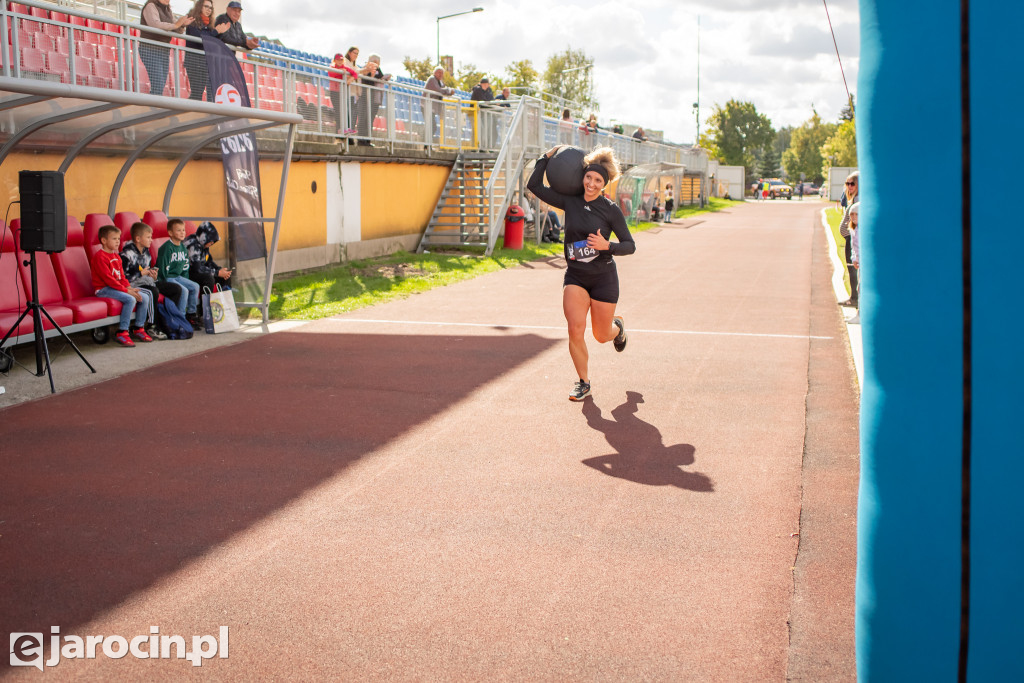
[(778, 188)]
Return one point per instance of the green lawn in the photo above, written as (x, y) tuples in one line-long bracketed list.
[(834, 216), (358, 284)]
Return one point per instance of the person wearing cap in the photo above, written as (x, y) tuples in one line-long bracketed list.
[(591, 283), (482, 91), (235, 35), (371, 98), (341, 78), (158, 14)]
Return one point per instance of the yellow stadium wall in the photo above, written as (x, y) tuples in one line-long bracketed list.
[(398, 199), (395, 200), (198, 192)]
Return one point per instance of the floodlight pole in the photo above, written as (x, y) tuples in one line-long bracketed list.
[(696, 106), (448, 16)]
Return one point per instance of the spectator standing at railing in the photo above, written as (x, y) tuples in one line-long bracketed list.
[(436, 90), (639, 135), (565, 128), (235, 34), (482, 91), (372, 97), (352, 78), (505, 95), (340, 76), (158, 14), (195, 62)]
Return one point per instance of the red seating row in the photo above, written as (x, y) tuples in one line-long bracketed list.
[(64, 279), (64, 283), (45, 48)]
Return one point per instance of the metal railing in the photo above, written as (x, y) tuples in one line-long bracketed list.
[(69, 45), (523, 138)]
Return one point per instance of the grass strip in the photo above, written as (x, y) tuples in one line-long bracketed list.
[(834, 216), (358, 284)]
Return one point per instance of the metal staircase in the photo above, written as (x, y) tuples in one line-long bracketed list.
[(471, 208), (462, 214)]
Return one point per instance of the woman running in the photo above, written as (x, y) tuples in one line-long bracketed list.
[(591, 281)]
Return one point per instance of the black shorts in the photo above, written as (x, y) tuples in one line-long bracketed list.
[(600, 279)]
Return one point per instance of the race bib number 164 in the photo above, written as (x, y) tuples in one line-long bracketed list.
[(579, 251)]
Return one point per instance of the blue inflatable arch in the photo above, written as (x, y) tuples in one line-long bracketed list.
[(940, 577)]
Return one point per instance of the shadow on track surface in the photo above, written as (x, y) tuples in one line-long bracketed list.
[(107, 489), (642, 456)]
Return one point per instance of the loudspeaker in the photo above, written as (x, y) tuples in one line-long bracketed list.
[(44, 211)]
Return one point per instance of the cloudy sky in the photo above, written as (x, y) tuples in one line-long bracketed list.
[(778, 55)]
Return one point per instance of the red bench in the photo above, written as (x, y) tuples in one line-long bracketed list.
[(64, 282)]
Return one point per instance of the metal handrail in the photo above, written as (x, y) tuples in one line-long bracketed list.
[(400, 103), (510, 162)]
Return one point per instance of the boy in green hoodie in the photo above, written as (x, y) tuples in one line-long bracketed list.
[(172, 266)]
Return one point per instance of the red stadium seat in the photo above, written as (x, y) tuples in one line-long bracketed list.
[(87, 50), (83, 70), (124, 220), (74, 274), (33, 60), (12, 293), (43, 41), (156, 220), (91, 232), (105, 70), (47, 286), (106, 52)]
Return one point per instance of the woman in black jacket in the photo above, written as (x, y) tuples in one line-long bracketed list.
[(195, 62)]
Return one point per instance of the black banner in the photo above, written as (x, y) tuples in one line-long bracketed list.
[(241, 158)]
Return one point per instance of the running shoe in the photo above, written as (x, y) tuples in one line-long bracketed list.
[(123, 338), (140, 334), (156, 333), (580, 391), (620, 339)]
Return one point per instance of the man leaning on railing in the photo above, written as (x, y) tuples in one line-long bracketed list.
[(435, 89), (236, 34)]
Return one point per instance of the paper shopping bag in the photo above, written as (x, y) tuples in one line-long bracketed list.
[(219, 313)]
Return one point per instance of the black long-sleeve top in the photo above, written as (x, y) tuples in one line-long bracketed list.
[(583, 218)]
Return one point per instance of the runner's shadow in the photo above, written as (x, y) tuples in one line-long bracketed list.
[(641, 455)]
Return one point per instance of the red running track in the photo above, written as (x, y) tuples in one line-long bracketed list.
[(405, 492)]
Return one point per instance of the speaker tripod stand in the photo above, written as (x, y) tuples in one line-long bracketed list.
[(36, 309)]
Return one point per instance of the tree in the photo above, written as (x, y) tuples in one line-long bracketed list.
[(769, 163), (521, 74), (569, 76), (421, 69), (467, 75), (736, 134), (804, 153), (847, 112), (841, 148)]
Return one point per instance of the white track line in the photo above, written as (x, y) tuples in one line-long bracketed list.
[(562, 328)]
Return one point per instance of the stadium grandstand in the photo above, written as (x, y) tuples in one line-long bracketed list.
[(392, 169)]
